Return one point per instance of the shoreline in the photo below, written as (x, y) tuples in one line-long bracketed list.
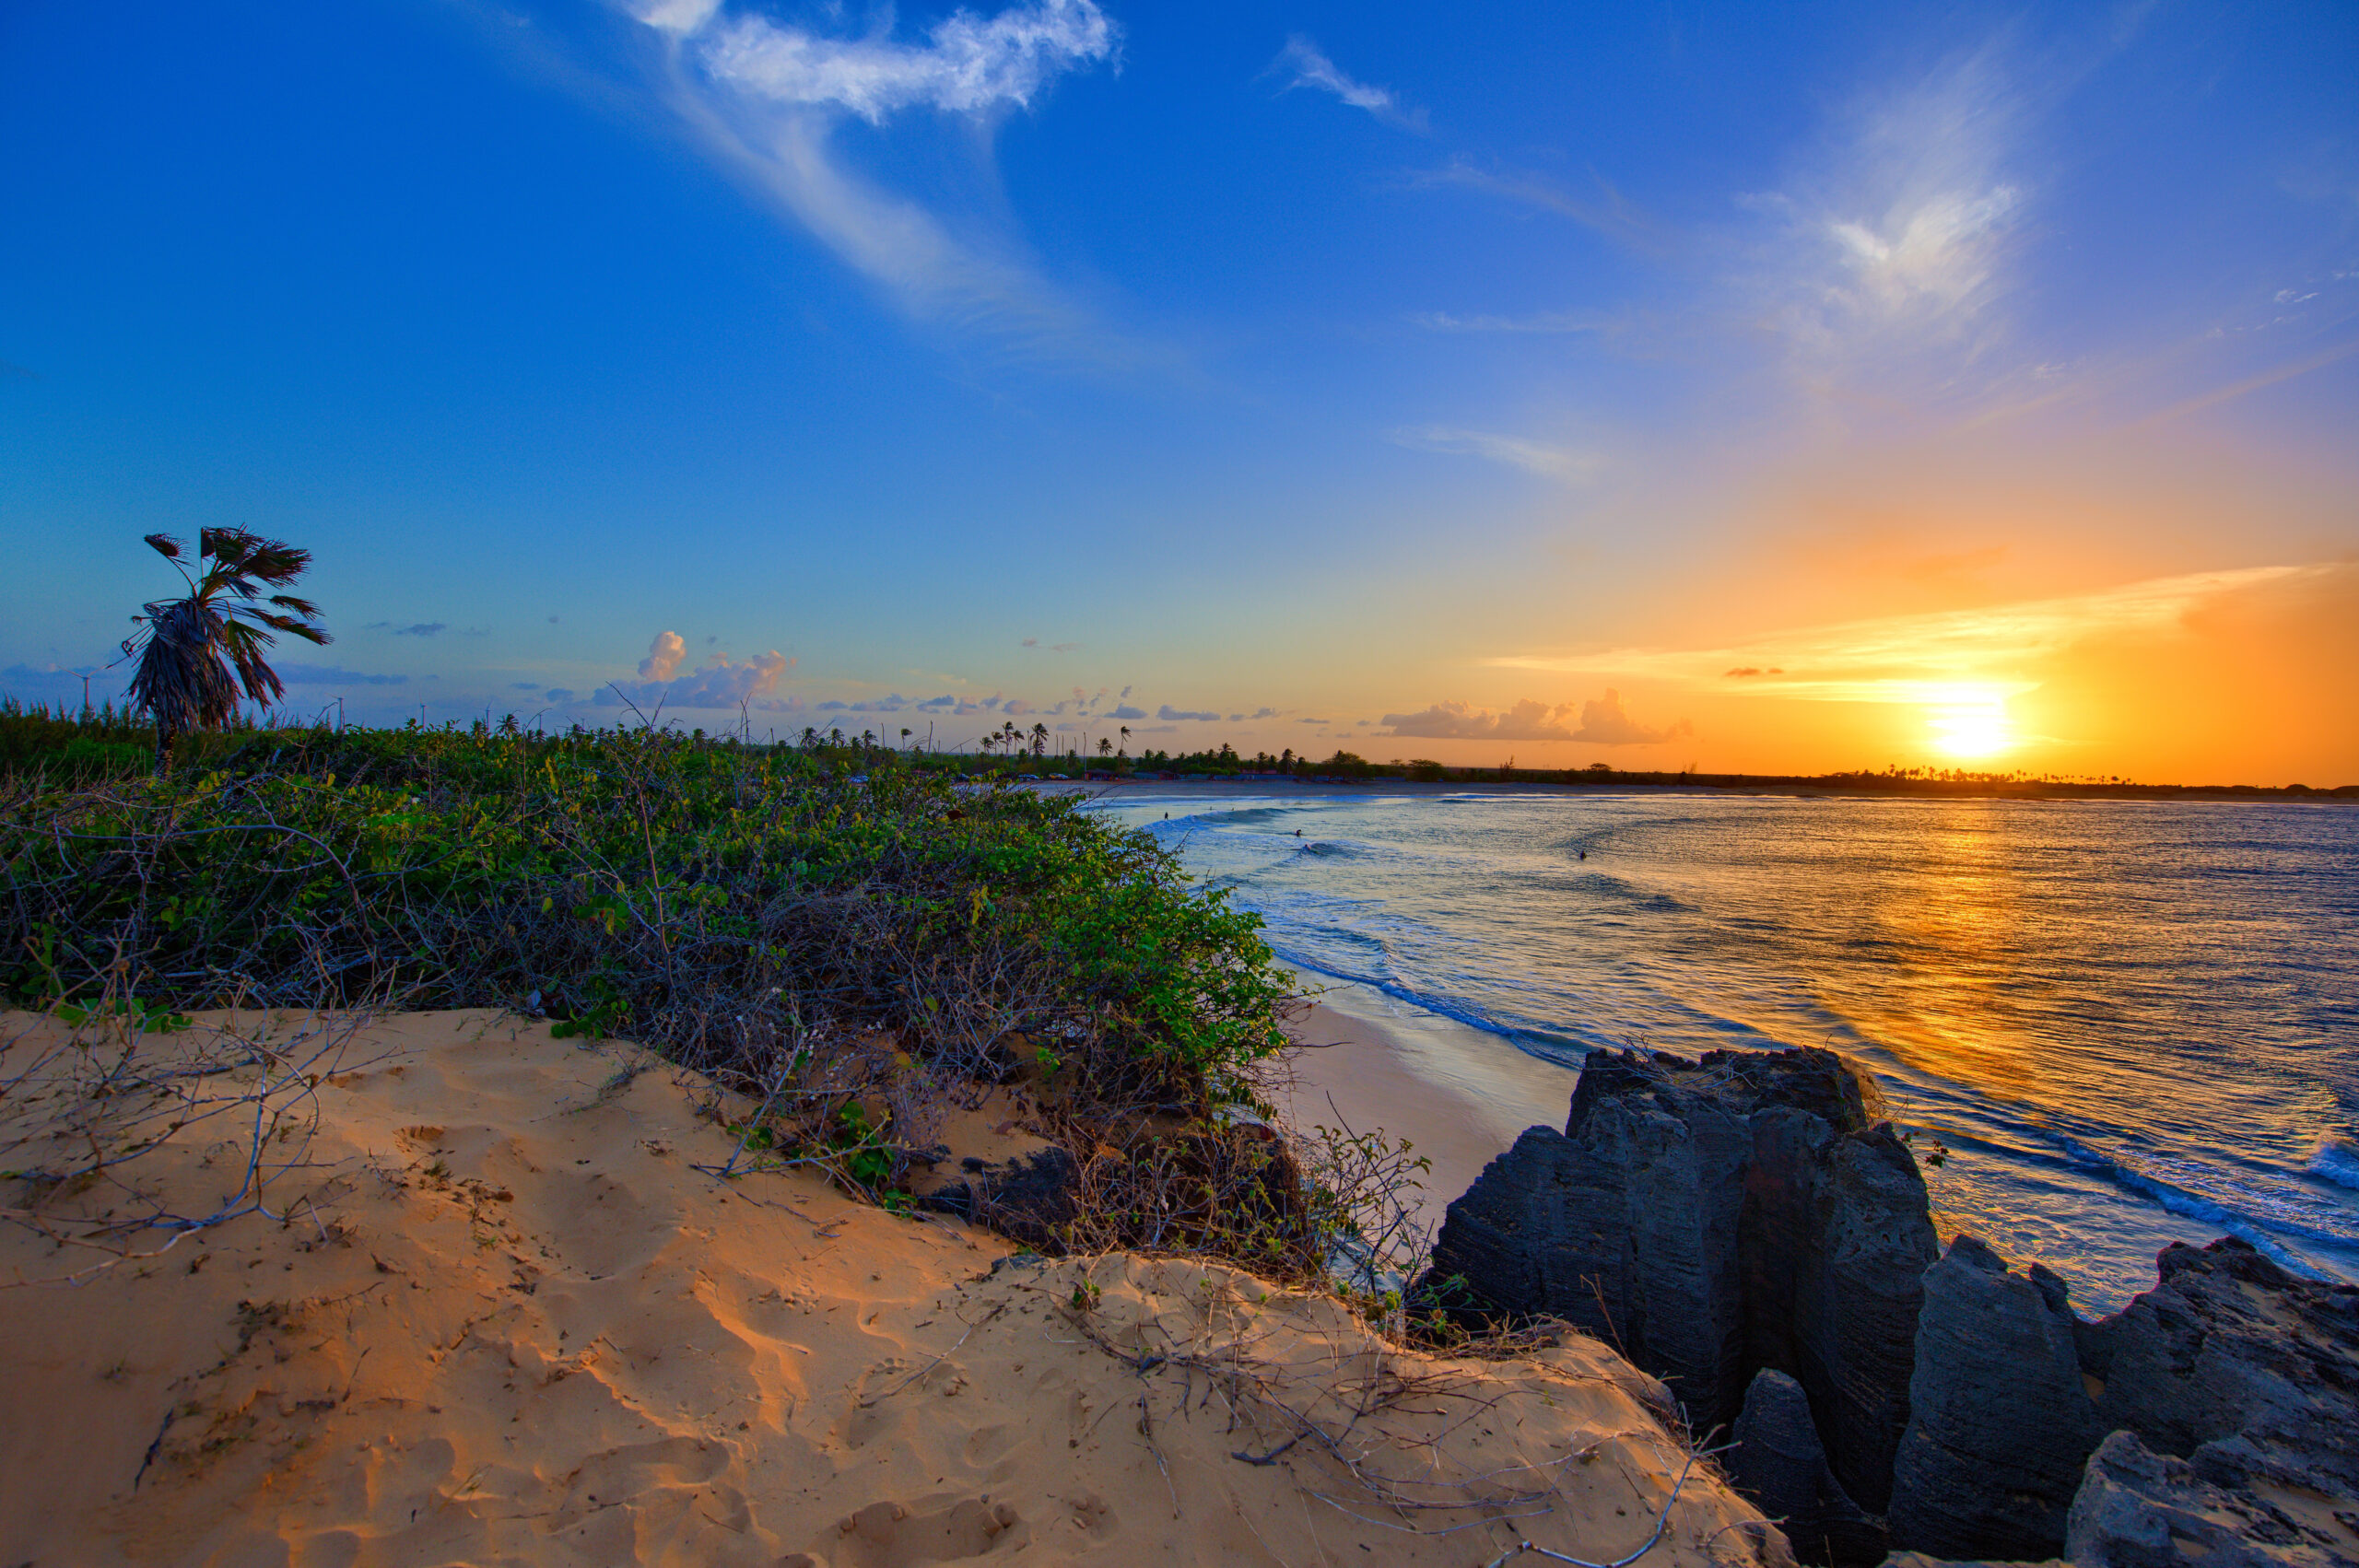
[(2154, 794), (1461, 1094)]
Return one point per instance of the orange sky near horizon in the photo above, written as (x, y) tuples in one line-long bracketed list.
[(2248, 676)]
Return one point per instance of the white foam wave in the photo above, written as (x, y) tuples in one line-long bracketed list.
[(2336, 1159)]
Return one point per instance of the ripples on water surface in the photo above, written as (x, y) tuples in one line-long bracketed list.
[(2128, 1022)]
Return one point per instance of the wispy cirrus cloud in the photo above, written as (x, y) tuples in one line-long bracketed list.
[(1887, 257), (1604, 209), (334, 675), (1563, 464), (1549, 322), (1311, 68), (770, 96), (1922, 657)]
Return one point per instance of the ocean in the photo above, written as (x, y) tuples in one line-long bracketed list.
[(2110, 1025)]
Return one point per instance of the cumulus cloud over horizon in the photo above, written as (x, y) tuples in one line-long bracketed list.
[(1602, 721), (717, 683), (1169, 713)]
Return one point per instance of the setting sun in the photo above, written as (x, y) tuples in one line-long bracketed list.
[(1974, 726)]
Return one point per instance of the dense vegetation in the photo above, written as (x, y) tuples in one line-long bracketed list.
[(697, 893), (846, 938)]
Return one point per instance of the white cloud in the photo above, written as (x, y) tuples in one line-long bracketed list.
[(1890, 257), (719, 684), (768, 96), (1311, 68), (1169, 713), (1602, 721), (664, 656), (967, 65), (1562, 465)]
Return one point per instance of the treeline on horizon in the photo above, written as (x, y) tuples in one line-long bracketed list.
[(104, 740)]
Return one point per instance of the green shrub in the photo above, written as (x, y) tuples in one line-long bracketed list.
[(706, 896)]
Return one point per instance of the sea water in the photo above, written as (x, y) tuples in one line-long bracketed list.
[(2106, 1024)]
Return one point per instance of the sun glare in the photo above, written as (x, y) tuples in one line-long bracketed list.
[(1970, 725)]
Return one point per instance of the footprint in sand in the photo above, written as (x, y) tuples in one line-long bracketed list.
[(898, 1535)]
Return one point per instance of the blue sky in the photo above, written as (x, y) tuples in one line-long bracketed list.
[(1427, 382)]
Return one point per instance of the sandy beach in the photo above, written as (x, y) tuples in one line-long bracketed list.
[(1458, 1094), (495, 1313)]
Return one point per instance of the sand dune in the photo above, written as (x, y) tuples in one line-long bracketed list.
[(499, 1318)]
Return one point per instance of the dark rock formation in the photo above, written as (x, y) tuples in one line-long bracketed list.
[(2230, 1390), (1750, 1211), (2141, 1509), (2230, 1354), (1777, 1461), (2000, 1421), (1711, 1218)]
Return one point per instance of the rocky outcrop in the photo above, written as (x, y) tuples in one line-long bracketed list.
[(2231, 1387), (2141, 1509), (2232, 1363), (1748, 1228), (1775, 1460), (1712, 1218), (2001, 1422)]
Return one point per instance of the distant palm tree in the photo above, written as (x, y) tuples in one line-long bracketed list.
[(1126, 738), (198, 652), (1105, 746), (1040, 740)]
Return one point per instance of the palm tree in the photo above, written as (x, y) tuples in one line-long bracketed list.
[(1040, 740), (1126, 738), (1105, 746), (199, 653)]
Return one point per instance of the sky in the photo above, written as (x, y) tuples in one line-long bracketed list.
[(1747, 388)]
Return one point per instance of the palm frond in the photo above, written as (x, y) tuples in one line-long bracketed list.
[(196, 655)]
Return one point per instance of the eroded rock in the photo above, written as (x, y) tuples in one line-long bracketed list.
[(1776, 1460), (2228, 1346), (1711, 1218), (2230, 1390), (2141, 1509), (2001, 1423)]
